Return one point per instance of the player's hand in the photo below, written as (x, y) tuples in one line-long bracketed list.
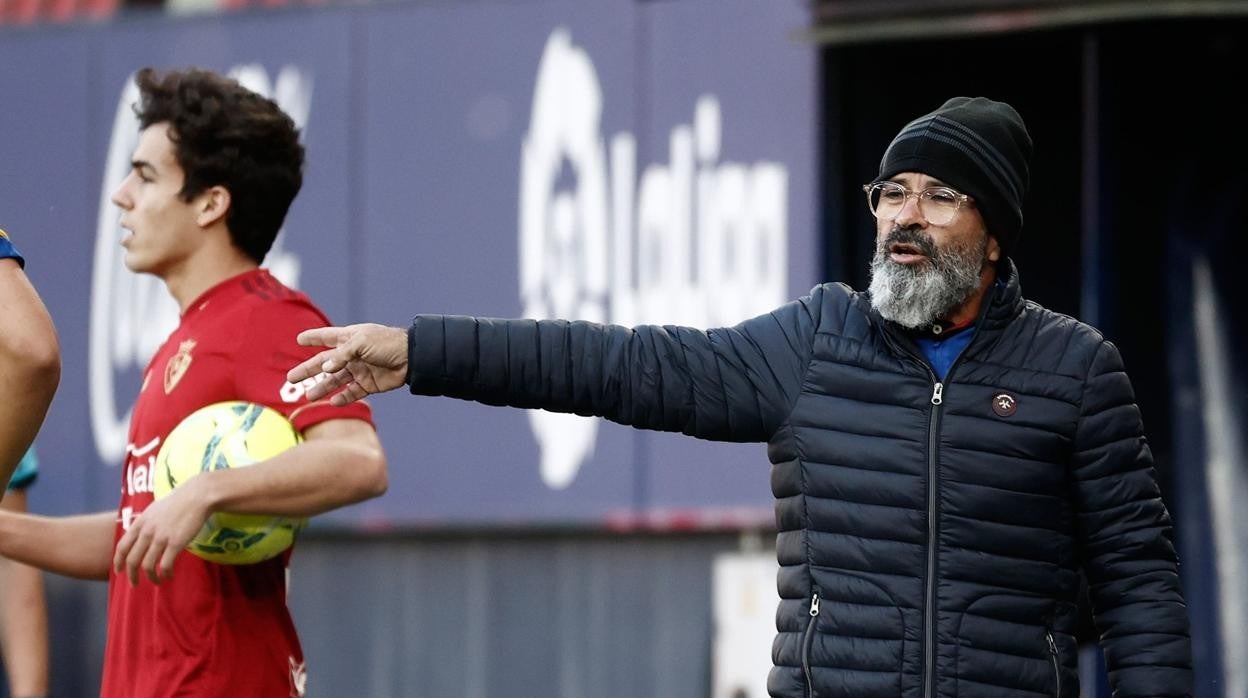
[(158, 535), (362, 360)]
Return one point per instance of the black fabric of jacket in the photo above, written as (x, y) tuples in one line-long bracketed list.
[(925, 549)]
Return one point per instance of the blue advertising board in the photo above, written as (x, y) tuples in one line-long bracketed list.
[(617, 161)]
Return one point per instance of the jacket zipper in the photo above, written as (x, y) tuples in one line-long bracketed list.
[(807, 640), (929, 593), (938, 398), (1057, 664)]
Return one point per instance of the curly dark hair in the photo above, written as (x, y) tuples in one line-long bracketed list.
[(224, 134)]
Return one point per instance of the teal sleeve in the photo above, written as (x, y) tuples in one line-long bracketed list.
[(26, 472)]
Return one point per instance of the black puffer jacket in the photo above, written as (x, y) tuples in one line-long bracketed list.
[(931, 533)]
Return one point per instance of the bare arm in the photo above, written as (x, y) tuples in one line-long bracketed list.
[(23, 619), (75, 546), (30, 364), (339, 463)]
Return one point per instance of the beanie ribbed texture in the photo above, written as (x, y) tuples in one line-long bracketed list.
[(977, 146)]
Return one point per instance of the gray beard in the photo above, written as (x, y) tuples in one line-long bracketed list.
[(920, 295)]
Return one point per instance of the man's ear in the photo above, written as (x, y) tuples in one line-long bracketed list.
[(213, 203), (994, 249)]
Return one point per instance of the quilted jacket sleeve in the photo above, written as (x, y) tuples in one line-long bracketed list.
[(729, 384), (1127, 541)]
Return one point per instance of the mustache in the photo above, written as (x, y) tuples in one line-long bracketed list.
[(909, 236)]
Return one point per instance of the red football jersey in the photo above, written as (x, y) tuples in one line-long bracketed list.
[(213, 630)]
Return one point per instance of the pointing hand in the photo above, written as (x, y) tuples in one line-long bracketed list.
[(361, 360)]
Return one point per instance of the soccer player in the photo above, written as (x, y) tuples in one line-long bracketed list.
[(23, 606), (214, 172), (30, 359)]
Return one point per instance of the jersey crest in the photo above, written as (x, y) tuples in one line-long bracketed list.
[(178, 365)]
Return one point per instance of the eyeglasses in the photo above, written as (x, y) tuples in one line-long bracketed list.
[(938, 205)]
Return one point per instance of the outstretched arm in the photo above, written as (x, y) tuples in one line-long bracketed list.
[(30, 364), (23, 619), (75, 546), (735, 383), (727, 384)]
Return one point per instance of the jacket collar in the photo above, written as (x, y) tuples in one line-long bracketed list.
[(1007, 301)]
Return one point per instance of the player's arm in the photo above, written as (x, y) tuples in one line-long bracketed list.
[(340, 462), (23, 619), (30, 364), (75, 546)]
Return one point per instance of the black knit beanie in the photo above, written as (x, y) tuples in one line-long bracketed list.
[(977, 146)]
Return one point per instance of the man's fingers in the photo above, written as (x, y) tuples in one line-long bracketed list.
[(134, 558), (166, 562), (322, 337), (303, 371), (356, 391), (319, 390), (327, 361), (148, 565), (309, 367), (349, 395), (327, 382), (341, 367), (123, 550)]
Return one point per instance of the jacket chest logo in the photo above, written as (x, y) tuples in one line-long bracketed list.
[(178, 365), (1004, 404)]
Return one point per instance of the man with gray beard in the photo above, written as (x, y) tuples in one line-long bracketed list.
[(947, 458), (913, 296)]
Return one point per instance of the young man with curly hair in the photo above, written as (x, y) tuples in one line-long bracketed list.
[(215, 170)]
